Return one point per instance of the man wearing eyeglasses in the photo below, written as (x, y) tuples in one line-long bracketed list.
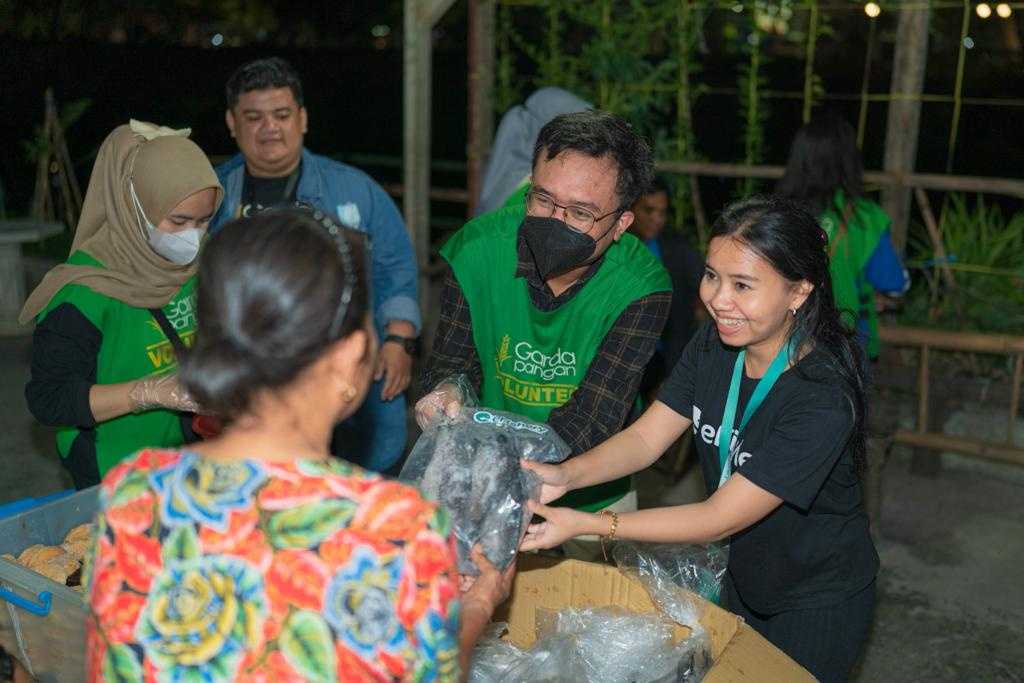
[(550, 309)]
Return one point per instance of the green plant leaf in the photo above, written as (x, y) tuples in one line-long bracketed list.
[(182, 544), (119, 664), (308, 525), (307, 644)]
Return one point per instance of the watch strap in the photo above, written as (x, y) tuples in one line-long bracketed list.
[(407, 343)]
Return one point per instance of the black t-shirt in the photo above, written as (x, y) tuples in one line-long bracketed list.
[(262, 193), (814, 550)]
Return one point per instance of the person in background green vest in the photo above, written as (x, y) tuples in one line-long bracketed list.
[(111, 318), (825, 172), (549, 307)]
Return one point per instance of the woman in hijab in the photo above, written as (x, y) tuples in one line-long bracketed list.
[(511, 161), (111, 319)]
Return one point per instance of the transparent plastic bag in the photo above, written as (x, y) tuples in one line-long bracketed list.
[(469, 463), (613, 644), (698, 568), (671, 574), (496, 660), (598, 645), (493, 657), (552, 659)]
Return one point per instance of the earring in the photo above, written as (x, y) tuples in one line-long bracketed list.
[(348, 392), (793, 311)]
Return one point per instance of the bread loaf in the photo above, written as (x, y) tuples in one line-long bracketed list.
[(76, 543)]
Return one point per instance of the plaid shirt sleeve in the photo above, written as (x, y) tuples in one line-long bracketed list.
[(599, 406), (454, 351)]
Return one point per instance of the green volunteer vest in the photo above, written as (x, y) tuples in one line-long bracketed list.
[(851, 251), (133, 346), (533, 360)]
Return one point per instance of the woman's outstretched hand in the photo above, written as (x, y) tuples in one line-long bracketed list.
[(559, 525), (490, 588), (555, 479)]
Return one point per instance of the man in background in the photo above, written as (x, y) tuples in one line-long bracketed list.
[(267, 117), (685, 266)]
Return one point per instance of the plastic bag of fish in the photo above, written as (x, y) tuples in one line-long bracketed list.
[(470, 464)]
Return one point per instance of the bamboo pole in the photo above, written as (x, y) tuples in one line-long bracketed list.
[(698, 210), (946, 340), (420, 17), (928, 181), (684, 113), (41, 195), (481, 90), (975, 447), (1018, 370), (812, 41), (959, 86), (908, 69), (922, 391), (60, 150), (862, 114), (935, 235), (455, 195)]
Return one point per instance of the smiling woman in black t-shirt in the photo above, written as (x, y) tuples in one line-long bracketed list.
[(777, 370)]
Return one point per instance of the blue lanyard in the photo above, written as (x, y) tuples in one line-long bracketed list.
[(764, 385)]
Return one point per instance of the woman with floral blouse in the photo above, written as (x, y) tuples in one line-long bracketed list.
[(255, 556)]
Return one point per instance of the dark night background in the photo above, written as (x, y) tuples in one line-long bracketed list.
[(156, 60)]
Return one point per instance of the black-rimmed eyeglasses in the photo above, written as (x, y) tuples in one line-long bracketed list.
[(576, 217)]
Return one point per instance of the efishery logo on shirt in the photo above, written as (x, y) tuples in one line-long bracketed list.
[(711, 436), (531, 361)]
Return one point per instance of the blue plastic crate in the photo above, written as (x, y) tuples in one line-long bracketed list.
[(26, 504), (42, 623)]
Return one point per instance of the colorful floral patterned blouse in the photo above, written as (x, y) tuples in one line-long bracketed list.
[(271, 572)]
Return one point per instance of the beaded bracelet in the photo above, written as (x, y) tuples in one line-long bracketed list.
[(610, 536)]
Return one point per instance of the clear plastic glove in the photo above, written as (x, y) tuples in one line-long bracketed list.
[(442, 405), (162, 391), (444, 402)]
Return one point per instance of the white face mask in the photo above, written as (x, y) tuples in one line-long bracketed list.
[(180, 247)]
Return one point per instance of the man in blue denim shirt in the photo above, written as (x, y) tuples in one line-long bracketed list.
[(266, 116)]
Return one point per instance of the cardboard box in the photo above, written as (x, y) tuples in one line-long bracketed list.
[(739, 652)]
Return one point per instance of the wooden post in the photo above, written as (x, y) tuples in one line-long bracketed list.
[(420, 17), (922, 460), (938, 247), (812, 43), (1018, 369), (905, 112), (699, 217), (922, 392), (481, 89), (1012, 187)]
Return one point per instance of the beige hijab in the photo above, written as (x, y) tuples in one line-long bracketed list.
[(165, 167)]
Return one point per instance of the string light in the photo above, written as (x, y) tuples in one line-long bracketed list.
[(983, 10), (1004, 10), (872, 9)]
